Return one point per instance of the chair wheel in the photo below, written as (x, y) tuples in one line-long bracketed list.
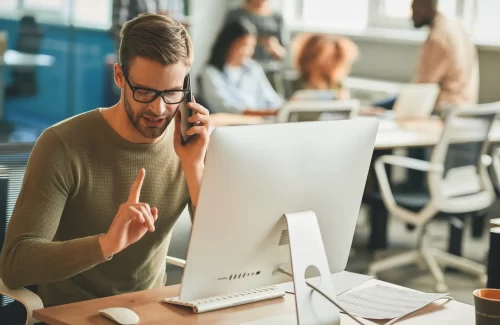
[(441, 288)]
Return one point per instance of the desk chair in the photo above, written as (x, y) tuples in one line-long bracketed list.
[(297, 110), (462, 190), (496, 168)]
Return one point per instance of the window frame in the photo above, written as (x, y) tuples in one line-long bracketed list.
[(383, 27), (377, 19), (56, 17)]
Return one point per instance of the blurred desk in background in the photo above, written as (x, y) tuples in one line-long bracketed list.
[(19, 60), (367, 90), (226, 119), (391, 134)]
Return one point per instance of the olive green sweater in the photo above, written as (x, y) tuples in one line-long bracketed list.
[(78, 174)]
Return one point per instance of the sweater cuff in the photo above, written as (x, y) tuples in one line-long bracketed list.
[(94, 251)]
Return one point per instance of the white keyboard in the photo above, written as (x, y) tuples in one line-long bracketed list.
[(230, 300)]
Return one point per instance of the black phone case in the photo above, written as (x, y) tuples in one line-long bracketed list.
[(185, 111)]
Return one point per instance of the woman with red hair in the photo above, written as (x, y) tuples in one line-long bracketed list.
[(324, 61)]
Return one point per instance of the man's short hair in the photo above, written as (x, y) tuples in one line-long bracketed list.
[(157, 38)]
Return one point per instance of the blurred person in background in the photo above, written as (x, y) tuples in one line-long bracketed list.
[(233, 82), (448, 57), (272, 37), (125, 10), (324, 62)]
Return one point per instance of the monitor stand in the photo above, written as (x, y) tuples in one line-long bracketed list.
[(307, 250)]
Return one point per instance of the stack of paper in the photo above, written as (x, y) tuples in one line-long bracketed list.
[(386, 302)]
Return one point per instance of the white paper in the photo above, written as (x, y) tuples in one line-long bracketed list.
[(386, 302)]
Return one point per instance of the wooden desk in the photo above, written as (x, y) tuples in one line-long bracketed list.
[(277, 311)]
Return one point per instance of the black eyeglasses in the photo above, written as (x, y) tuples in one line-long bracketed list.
[(147, 95)]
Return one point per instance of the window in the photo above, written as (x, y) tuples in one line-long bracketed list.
[(81, 13), (93, 13), (397, 13), (396, 8), (339, 14), (8, 5), (479, 16), (402, 8), (43, 5), (487, 26)]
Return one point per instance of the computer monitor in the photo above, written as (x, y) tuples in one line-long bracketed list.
[(253, 176)]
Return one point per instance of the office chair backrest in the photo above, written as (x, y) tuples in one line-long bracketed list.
[(321, 109), (30, 35), (496, 167), (291, 82), (13, 160), (28, 41), (462, 151)]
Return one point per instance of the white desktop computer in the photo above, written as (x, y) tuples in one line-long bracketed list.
[(276, 197)]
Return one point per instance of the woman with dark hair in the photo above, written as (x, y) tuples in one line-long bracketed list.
[(233, 82)]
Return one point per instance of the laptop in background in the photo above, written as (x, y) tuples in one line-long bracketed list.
[(416, 101)]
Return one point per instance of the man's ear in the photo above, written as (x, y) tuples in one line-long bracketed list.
[(119, 78)]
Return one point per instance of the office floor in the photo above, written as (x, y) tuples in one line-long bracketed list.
[(400, 239)]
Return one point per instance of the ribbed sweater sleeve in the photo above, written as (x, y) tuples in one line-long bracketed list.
[(29, 255)]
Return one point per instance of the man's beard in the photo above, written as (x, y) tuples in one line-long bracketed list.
[(148, 132)]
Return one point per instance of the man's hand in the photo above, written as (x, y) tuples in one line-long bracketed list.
[(192, 154), (131, 222)]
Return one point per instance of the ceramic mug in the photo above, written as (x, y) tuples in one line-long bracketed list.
[(487, 304)]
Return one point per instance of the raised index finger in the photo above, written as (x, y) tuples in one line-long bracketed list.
[(135, 191)]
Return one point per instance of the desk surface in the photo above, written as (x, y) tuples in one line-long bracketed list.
[(391, 134), (277, 311)]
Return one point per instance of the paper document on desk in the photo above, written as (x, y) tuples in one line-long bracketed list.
[(386, 302), (342, 282)]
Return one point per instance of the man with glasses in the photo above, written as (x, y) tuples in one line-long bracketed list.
[(103, 189)]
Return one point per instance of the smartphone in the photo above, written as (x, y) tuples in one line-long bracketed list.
[(185, 111)]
